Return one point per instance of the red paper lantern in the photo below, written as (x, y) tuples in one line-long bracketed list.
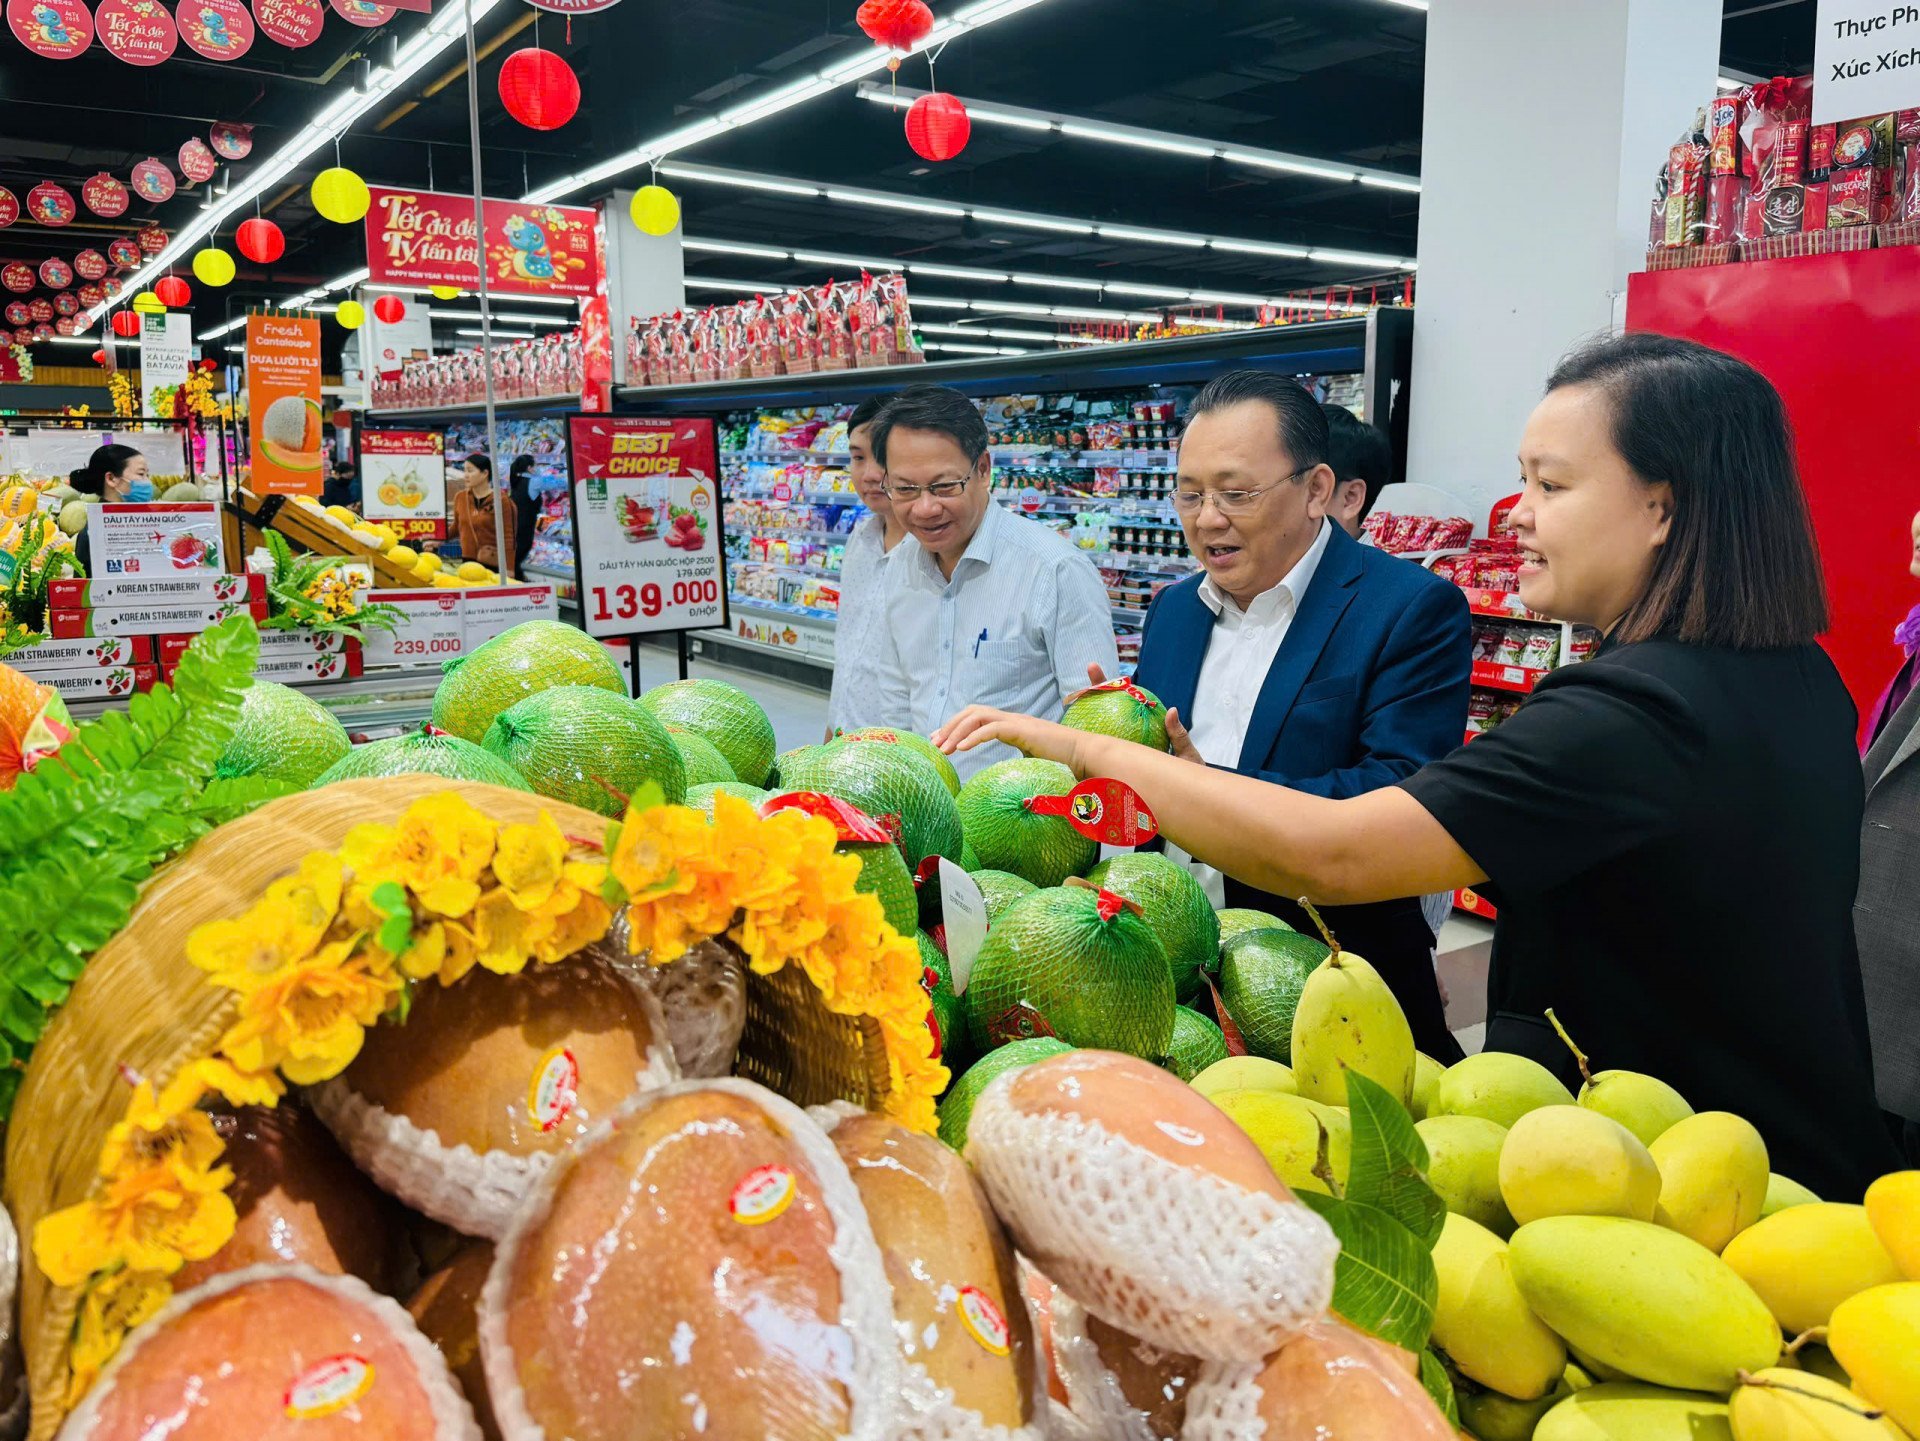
[(389, 309), (260, 241), (126, 324), (173, 291), (99, 357), (895, 24), (539, 89), (938, 126)]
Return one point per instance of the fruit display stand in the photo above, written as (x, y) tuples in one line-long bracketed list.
[(311, 528), (783, 458)]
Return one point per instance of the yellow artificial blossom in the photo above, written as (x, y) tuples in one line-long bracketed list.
[(310, 1019), (114, 1304), (439, 851), (528, 861), (281, 929)]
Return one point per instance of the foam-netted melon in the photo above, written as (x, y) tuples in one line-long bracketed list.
[(531, 657), (587, 747), (1007, 836), (883, 781), (423, 752), (730, 719), (282, 735)]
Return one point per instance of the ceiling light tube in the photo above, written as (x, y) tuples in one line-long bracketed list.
[(895, 202), (1290, 166), (1056, 282), (1261, 247), (1359, 257), (730, 247), (677, 171), (820, 257), (1032, 222), (959, 272), (1150, 237), (1150, 292), (1084, 131)]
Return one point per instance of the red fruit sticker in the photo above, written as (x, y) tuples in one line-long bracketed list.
[(197, 162), (51, 204), (55, 273), (763, 1194), (850, 823), (90, 265), (555, 1089), (295, 24), (17, 276), (53, 29), (1124, 684), (984, 1321), (152, 180), (327, 1387), (140, 32), (9, 207), (219, 30), (232, 142), (1019, 1022), (1109, 811)]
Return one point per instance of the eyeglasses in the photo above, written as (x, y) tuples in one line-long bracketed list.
[(939, 490), (1227, 502)]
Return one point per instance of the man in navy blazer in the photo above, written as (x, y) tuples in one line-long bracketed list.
[(1302, 657)]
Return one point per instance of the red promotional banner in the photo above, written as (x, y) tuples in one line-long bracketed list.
[(105, 196), (283, 404), (140, 32), (422, 238), (153, 180), (9, 207), (51, 204), (55, 29), (197, 162), (219, 30), (403, 481)]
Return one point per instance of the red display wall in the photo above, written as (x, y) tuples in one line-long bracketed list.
[(1840, 336)]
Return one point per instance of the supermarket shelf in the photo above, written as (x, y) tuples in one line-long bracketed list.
[(1130, 615), (774, 532), (1503, 605), (754, 605), (518, 405), (800, 497), (746, 562), (765, 457), (1507, 677)]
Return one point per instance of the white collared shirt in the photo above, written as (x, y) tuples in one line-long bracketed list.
[(1240, 652), (859, 636), (1016, 627)]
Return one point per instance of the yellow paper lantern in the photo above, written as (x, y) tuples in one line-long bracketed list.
[(147, 303), (212, 266), (444, 292), (351, 315), (655, 209), (340, 195)]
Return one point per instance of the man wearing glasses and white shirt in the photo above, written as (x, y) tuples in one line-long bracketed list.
[(1301, 657), (984, 607)]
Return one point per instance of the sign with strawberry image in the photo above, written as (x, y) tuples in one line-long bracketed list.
[(647, 524), (156, 540)]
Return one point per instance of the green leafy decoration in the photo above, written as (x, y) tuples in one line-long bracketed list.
[(1384, 1281), (1433, 1376), (389, 898), (84, 830), (1388, 1165)]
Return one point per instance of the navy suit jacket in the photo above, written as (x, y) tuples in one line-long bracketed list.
[(1369, 685)]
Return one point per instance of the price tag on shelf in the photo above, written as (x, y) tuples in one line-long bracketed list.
[(430, 630), (1513, 675)]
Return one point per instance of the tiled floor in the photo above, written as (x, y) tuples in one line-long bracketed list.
[(799, 716)]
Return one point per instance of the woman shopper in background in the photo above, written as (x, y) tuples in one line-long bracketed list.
[(525, 510), (1671, 831), (117, 474), (473, 514)]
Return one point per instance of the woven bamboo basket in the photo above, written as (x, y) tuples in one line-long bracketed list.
[(142, 1005)]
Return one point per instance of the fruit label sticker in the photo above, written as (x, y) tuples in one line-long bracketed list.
[(555, 1089), (964, 911), (1109, 811), (984, 1321), (850, 823), (403, 481), (647, 524), (763, 1193), (157, 540), (327, 1387)]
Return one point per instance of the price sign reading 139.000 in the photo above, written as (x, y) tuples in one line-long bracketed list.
[(646, 509)]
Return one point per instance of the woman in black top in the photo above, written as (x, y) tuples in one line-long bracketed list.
[(1671, 831), (525, 510)]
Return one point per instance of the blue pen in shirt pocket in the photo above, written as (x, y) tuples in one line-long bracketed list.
[(980, 641)]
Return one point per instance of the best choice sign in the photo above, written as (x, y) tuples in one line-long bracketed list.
[(1866, 59)]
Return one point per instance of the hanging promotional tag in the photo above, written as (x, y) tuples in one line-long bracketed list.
[(1107, 810), (850, 823), (964, 912)]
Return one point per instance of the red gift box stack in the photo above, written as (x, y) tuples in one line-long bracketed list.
[(107, 669), (160, 605)]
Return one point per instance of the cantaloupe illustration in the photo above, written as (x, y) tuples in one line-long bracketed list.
[(290, 433)]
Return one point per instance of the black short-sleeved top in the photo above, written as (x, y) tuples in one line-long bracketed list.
[(1671, 833)]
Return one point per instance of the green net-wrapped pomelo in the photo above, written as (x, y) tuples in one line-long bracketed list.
[(883, 781), (1006, 836), (282, 735), (1000, 889), (969, 857), (1175, 906), (956, 1107), (533, 656), (918, 744), (703, 764), (1197, 1044), (730, 719), (948, 1014), (1072, 963), (1237, 920), (1261, 976), (423, 752), (884, 874), (1121, 709), (587, 747), (700, 797)]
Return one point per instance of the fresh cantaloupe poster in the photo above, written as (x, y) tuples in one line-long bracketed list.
[(287, 440)]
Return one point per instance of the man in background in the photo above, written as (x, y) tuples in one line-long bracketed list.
[(983, 607), (1362, 461), (1301, 657), (860, 637), (342, 486)]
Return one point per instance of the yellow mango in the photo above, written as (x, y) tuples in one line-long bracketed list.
[(1876, 1336), (1645, 1105), (1287, 1131), (444, 581), (1569, 1161), (1644, 1300), (429, 560), (1784, 1191), (1347, 1019), (1626, 1411), (1426, 1081), (1493, 1417), (1464, 1167), (1245, 1073), (1481, 1321), (473, 570), (343, 515), (1713, 1177), (404, 555), (1497, 1087), (1893, 1206), (1780, 1404), (1806, 1260)]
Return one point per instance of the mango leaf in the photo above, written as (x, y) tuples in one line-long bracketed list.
[(1384, 1281), (1433, 1376), (1388, 1169)]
